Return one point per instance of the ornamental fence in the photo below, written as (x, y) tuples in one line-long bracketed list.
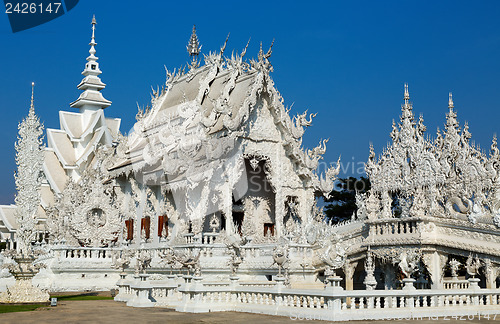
[(333, 303)]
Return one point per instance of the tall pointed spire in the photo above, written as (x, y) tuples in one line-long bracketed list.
[(406, 108), (91, 98), (451, 117), (407, 94), (193, 46), (32, 106)]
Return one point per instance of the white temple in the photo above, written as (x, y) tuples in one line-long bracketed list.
[(210, 204)]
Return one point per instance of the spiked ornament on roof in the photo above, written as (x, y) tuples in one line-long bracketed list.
[(193, 47)]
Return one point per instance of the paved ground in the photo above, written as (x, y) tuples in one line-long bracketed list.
[(108, 311)]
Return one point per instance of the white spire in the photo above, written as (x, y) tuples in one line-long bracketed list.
[(92, 40), (406, 108), (91, 85), (407, 94), (450, 101), (193, 47), (32, 106)]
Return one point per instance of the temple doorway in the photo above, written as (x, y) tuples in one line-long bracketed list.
[(238, 221)]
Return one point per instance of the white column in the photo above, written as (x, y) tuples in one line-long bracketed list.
[(155, 239), (279, 210), (228, 209), (140, 212), (435, 271)]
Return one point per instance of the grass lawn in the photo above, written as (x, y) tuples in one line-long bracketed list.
[(18, 308), (81, 297), (5, 308)]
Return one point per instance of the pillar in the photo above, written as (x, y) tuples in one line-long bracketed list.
[(153, 235), (389, 276), (435, 263), (228, 209), (349, 268), (491, 274), (279, 212), (138, 215)]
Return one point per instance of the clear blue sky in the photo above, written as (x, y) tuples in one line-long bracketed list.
[(345, 60)]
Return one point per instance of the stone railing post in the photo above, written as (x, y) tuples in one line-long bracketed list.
[(142, 292), (474, 285), (121, 288)]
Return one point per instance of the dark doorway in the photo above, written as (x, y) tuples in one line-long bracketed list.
[(238, 220)]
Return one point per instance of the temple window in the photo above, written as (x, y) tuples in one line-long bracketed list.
[(268, 229), (238, 221), (163, 226), (145, 226), (129, 225), (222, 222)]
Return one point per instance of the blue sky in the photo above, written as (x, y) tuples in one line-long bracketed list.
[(347, 61)]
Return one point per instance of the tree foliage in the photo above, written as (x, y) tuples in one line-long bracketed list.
[(342, 202)]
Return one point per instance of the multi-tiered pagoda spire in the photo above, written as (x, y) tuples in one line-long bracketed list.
[(91, 98), (193, 46)]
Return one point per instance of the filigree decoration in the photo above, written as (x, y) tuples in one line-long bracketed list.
[(28, 177), (142, 260), (121, 258), (95, 222), (447, 177)]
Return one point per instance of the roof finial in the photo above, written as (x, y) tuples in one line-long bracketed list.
[(223, 48), (407, 94), (450, 101), (92, 40), (193, 47), (32, 95), (91, 83)]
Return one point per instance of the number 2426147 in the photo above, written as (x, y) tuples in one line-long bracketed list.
[(32, 8)]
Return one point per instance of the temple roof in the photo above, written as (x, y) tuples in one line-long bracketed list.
[(91, 83), (71, 148), (227, 98)]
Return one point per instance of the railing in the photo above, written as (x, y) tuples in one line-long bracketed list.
[(84, 253), (455, 284), (332, 303), (209, 238), (263, 284), (189, 238), (394, 227)]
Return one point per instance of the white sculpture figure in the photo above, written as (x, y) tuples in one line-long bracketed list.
[(214, 223), (409, 263), (370, 281), (361, 205), (472, 265), (280, 257), (121, 259), (234, 261), (143, 261), (169, 258), (191, 261), (454, 267)]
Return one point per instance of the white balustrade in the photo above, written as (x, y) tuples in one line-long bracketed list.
[(328, 304), (84, 253), (456, 284)]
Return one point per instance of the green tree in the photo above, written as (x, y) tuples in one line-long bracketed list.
[(342, 202)]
